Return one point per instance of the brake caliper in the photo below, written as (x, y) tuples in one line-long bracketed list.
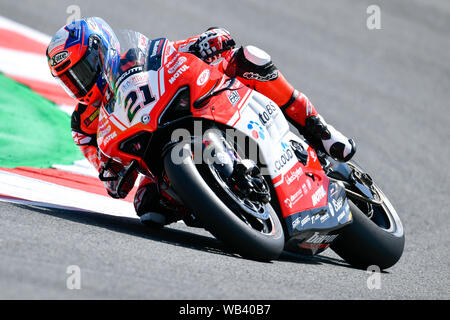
[(249, 182)]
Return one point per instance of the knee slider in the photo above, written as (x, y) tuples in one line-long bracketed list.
[(254, 63), (256, 56)]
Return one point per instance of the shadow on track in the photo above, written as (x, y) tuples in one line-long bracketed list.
[(167, 234)]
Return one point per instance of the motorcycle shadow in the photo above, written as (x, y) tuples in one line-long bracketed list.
[(288, 256), (170, 234)]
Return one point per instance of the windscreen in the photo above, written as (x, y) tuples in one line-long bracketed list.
[(133, 48)]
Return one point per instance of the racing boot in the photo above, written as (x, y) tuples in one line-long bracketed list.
[(153, 209), (320, 135), (326, 138)]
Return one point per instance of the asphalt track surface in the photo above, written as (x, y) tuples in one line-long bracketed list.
[(388, 88)]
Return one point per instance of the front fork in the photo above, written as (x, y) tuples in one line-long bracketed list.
[(243, 175)]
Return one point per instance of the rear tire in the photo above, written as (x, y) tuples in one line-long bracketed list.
[(218, 219), (363, 243)]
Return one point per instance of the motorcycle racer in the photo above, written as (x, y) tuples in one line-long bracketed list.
[(76, 57)]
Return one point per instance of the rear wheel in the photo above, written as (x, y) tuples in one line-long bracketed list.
[(250, 227), (376, 236)]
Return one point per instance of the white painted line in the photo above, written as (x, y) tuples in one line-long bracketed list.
[(18, 186), (37, 203), (66, 109), (77, 170), (25, 30), (24, 64)]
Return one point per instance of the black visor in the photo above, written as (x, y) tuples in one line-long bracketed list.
[(80, 79)]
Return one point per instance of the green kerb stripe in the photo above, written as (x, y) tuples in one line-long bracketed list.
[(33, 131)]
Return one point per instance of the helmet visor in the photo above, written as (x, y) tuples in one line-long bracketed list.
[(79, 79)]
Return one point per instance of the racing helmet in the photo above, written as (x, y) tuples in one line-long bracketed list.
[(76, 56)]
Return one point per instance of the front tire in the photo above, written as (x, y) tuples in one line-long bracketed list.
[(220, 220)]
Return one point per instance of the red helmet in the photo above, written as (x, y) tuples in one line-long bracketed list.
[(75, 57)]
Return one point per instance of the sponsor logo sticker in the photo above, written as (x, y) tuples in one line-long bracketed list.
[(296, 222), (293, 199), (318, 195), (306, 220), (286, 155), (203, 77), (92, 117), (339, 218), (337, 204), (234, 97), (180, 71), (318, 239), (293, 175), (109, 138), (324, 218), (59, 57), (269, 113), (257, 130), (177, 64)]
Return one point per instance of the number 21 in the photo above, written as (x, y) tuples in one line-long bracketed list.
[(132, 98)]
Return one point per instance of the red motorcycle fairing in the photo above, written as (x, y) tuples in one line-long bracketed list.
[(145, 92)]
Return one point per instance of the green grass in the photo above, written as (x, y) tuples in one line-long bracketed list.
[(33, 131)]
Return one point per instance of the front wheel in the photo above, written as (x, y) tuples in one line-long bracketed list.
[(259, 239)]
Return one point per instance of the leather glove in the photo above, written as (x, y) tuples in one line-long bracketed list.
[(117, 180), (212, 43)]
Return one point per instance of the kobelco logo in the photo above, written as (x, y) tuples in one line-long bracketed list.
[(285, 156), (265, 116), (178, 73), (58, 58)]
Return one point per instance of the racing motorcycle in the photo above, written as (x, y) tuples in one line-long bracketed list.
[(173, 117)]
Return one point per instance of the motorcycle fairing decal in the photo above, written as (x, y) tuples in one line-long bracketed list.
[(129, 73), (119, 120), (135, 87), (335, 214), (162, 87), (154, 59), (318, 242), (109, 127), (168, 51), (237, 115)]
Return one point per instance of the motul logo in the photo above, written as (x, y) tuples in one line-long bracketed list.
[(178, 73)]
